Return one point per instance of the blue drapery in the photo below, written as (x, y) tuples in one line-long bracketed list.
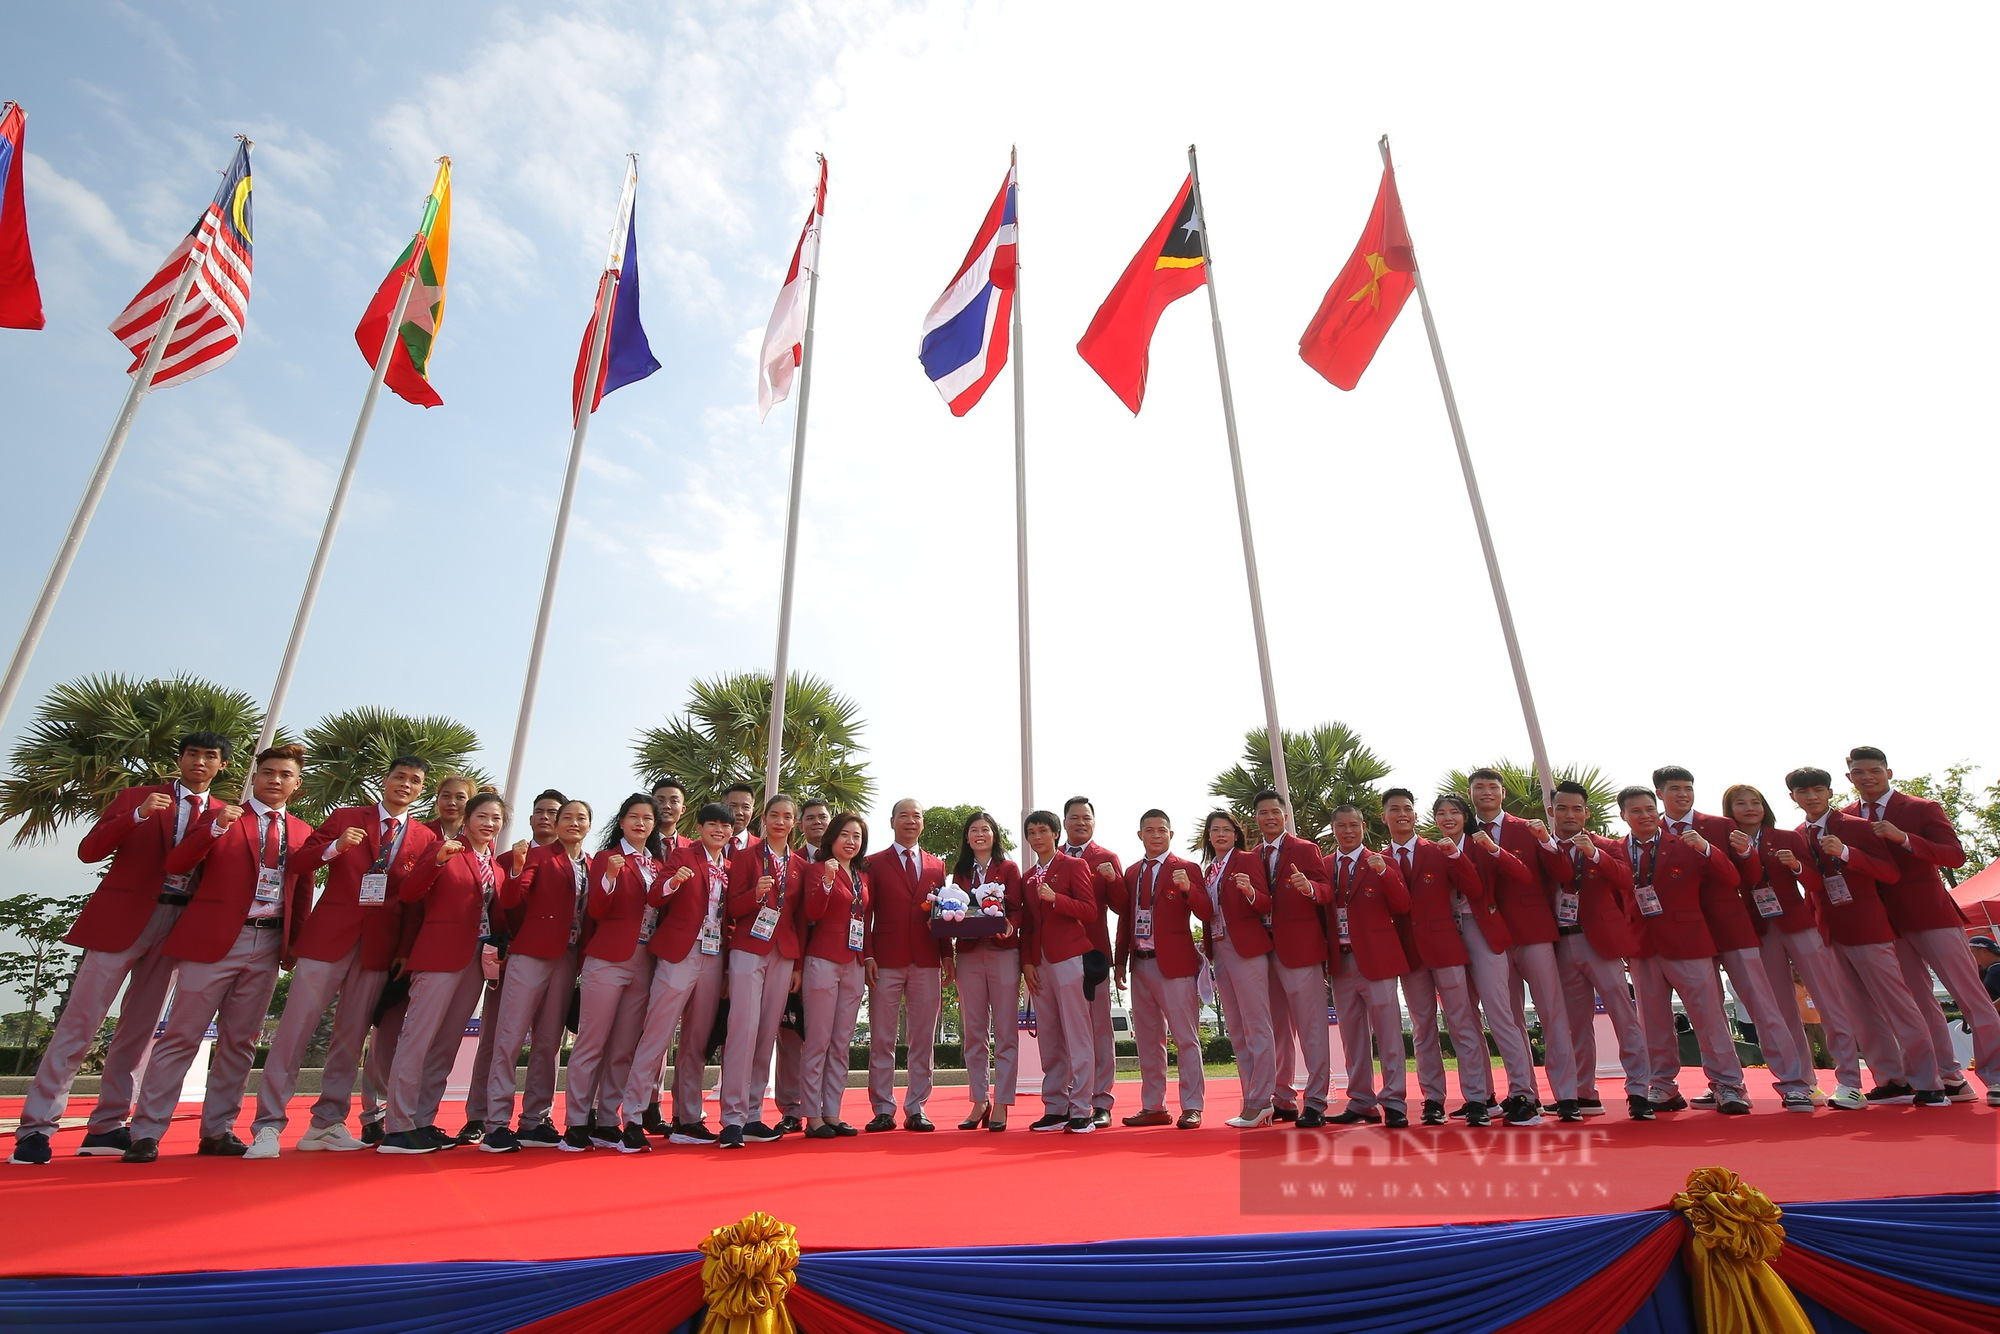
[(1947, 1243)]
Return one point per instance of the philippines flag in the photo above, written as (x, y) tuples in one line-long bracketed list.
[(965, 335), (628, 357)]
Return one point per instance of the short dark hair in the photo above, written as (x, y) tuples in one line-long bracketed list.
[(740, 786), (1633, 793), (1807, 776), (295, 753), (1267, 794), (549, 794), (417, 762), (1480, 773), (205, 741), (714, 812), (1671, 773), (1402, 792), (811, 802), (1574, 789), (1046, 819), (1346, 808), (1155, 813), (1867, 753), (662, 784), (1079, 801)]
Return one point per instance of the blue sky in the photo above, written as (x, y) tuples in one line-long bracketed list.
[(1716, 288)]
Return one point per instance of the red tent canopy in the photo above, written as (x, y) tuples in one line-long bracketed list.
[(1979, 896)]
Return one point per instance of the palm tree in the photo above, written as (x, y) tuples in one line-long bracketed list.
[(347, 754), (723, 737), (1524, 790), (94, 737), (1326, 767)]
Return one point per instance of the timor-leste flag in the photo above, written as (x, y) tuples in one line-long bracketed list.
[(1169, 266), (1365, 299)]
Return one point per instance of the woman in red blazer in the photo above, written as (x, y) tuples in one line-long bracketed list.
[(458, 886), (1061, 899), (616, 977), (1238, 943), (836, 892), (989, 974)]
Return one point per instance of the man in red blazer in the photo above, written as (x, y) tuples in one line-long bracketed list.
[(1929, 926), (1366, 960), (1300, 890), (1080, 831), (1156, 941), (120, 929), (344, 949), (907, 969), (230, 941), (1667, 877)]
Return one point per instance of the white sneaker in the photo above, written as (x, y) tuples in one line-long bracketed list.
[(265, 1145), (1848, 1100), (334, 1137)]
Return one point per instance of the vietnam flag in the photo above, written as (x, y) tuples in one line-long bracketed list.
[(1172, 263), (417, 323), (1365, 299)]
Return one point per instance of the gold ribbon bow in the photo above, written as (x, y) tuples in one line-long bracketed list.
[(1736, 1236), (746, 1270)]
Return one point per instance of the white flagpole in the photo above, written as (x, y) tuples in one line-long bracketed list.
[(774, 753), (142, 384), (1021, 517), (1500, 604), (600, 336), (1279, 779)]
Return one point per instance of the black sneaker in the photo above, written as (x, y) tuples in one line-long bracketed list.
[(577, 1140), (1959, 1092), (1640, 1106), (1101, 1118), (634, 1140), (791, 1125), (105, 1143), (759, 1133), (470, 1133), (1891, 1093), (539, 1136), (143, 1151), (1477, 1116), (1567, 1110), (435, 1137), (653, 1123), (691, 1132), (371, 1132), (221, 1146), (1521, 1110), (501, 1140), (32, 1149), (1464, 1111), (1311, 1119), (1081, 1125), (1673, 1102), (407, 1141), (608, 1136), (1053, 1121), (1932, 1098), (732, 1138), (1394, 1120), (1281, 1115), (1434, 1112), (1733, 1106), (1590, 1106)]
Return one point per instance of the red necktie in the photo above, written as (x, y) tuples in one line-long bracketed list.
[(1152, 877), (388, 848), (1403, 858), (1874, 811), (1488, 826), (270, 828), (910, 865), (200, 804)]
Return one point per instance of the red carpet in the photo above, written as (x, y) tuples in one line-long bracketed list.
[(100, 1216)]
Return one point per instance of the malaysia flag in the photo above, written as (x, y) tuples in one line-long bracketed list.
[(965, 335)]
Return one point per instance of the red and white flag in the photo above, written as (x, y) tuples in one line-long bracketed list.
[(210, 324), (783, 338)]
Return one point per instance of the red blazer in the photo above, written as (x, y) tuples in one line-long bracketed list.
[(447, 940), (1095, 854), (1433, 940), (1372, 899), (1865, 918), (1919, 902), (1762, 867), (541, 903), (1008, 876), (123, 902), (338, 920), (829, 908), (619, 910), (214, 917), (899, 921), (1298, 930), (1173, 932), (1604, 905), (1526, 897), (1242, 920), (1680, 877), (746, 868), (1492, 921), (1060, 929), (682, 907)]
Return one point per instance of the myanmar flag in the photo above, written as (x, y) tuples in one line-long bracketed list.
[(1367, 296), (1171, 264), (416, 330)]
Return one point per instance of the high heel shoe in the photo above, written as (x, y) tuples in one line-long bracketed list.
[(979, 1116), (996, 1119), (1249, 1120)]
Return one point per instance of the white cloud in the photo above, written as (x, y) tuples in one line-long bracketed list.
[(84, 210)]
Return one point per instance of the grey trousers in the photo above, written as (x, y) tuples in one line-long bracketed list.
[(1299, 995), (91, 993), (921, 989), (380, 1060), (832, 1002), (1368, 1008), (532, 1008), (1163, 1005), (758, 986), (1103, 1050), (1425, 990), (1586, 977), (1701, 996), (316, 984), (482, 1056), (787, 1089), (1790, 1067), (1535, 965), (234, 992), (666, 1004), (1782, 952), (1244, 987), (610, 1015), (1064, 1032), (697, 1024), (1887, 1018), (989, 1015), (1490, 974), (1942, 950), (433, 1028)]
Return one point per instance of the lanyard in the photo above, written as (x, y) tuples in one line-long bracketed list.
[(777, 868), (857, 908), (1812, 842), (1149, 889), (392, 834)]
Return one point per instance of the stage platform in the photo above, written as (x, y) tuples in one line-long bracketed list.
[(99, 1216)]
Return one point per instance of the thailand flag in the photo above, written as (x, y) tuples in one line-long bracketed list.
[(965, 335)]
